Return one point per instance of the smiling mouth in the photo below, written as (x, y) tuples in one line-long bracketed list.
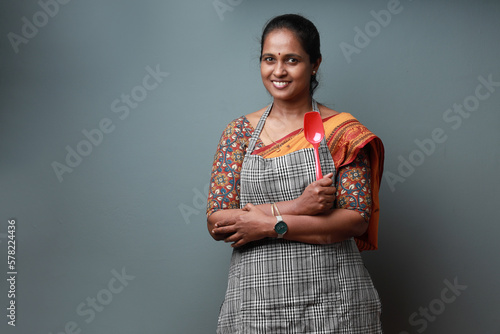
[(281, 84)]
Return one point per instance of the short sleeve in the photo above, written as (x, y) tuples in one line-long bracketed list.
[(354, 185), (224, 187)]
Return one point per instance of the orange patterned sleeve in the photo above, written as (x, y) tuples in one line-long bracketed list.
[(353, 182), (225, 178)]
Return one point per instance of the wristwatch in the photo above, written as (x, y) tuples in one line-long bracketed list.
[(281, 227)]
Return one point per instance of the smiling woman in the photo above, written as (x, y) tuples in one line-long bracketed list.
[(285, 66), (296, 264)]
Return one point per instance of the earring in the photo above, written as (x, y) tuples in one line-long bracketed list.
[(314, 72)]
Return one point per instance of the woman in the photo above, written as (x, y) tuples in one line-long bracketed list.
[(296, 267)]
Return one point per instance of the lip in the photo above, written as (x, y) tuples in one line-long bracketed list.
[(280, 84)]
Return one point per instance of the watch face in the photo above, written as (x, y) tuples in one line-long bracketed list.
[(281, 227)]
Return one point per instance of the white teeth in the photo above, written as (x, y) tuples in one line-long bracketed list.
[(280, 83)]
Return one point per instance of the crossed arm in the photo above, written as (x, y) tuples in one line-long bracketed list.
[(310, 219)]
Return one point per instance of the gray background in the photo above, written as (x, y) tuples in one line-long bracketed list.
[(135, 204)]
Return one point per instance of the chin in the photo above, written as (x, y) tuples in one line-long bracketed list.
[(284, 96)]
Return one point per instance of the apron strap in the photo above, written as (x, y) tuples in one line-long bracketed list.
[(258, 130), (315, 105)]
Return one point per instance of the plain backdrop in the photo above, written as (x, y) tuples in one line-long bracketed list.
[(104, 166)]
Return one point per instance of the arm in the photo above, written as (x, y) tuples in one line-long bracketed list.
[(228, 215), (253, 224), (350, 219), (223, 198), (318, 198)]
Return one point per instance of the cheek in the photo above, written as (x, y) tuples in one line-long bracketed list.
[(264, 69), (265, 72)]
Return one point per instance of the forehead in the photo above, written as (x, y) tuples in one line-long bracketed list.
[(282, 40)]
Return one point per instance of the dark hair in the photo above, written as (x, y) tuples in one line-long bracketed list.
[(305, 31)]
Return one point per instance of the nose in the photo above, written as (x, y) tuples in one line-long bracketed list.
[(279, 69)]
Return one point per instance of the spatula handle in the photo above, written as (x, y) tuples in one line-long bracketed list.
[(319, 174)]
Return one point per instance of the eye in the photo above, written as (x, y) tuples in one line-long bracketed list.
[(268, 59), (293, 60)]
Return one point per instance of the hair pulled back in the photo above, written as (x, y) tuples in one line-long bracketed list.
[(306, 33)]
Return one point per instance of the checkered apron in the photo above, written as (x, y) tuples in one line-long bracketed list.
[(279, 286)]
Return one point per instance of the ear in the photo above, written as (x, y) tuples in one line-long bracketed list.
[(316, 64)]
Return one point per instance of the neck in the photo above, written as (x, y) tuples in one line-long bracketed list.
[(291, 109)]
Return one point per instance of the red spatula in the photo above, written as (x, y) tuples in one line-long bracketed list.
[(314, 133)]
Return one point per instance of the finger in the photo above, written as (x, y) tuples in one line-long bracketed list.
[(249, 206), (224, 230), (224, 223), (325, 182), (325, 193), (232, 238), (238, 243), (328, 190), (328, 201)]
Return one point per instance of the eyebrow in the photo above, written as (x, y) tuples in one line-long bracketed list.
[(285, 55)]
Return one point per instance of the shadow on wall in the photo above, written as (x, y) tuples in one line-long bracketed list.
[(410, 267)]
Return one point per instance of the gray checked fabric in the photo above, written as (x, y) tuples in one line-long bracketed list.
[(278, 286)]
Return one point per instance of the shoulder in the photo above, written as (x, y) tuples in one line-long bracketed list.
[(343, 124), (253, 118), (326, 112), (238, 130), (239, 124), (347, 136)]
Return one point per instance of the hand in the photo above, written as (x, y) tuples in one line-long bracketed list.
[(252, 224), (317, 198)]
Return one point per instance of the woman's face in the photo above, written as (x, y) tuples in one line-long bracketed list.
[(285, 66)]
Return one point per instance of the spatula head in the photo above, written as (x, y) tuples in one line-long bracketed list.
[(313, 127)]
